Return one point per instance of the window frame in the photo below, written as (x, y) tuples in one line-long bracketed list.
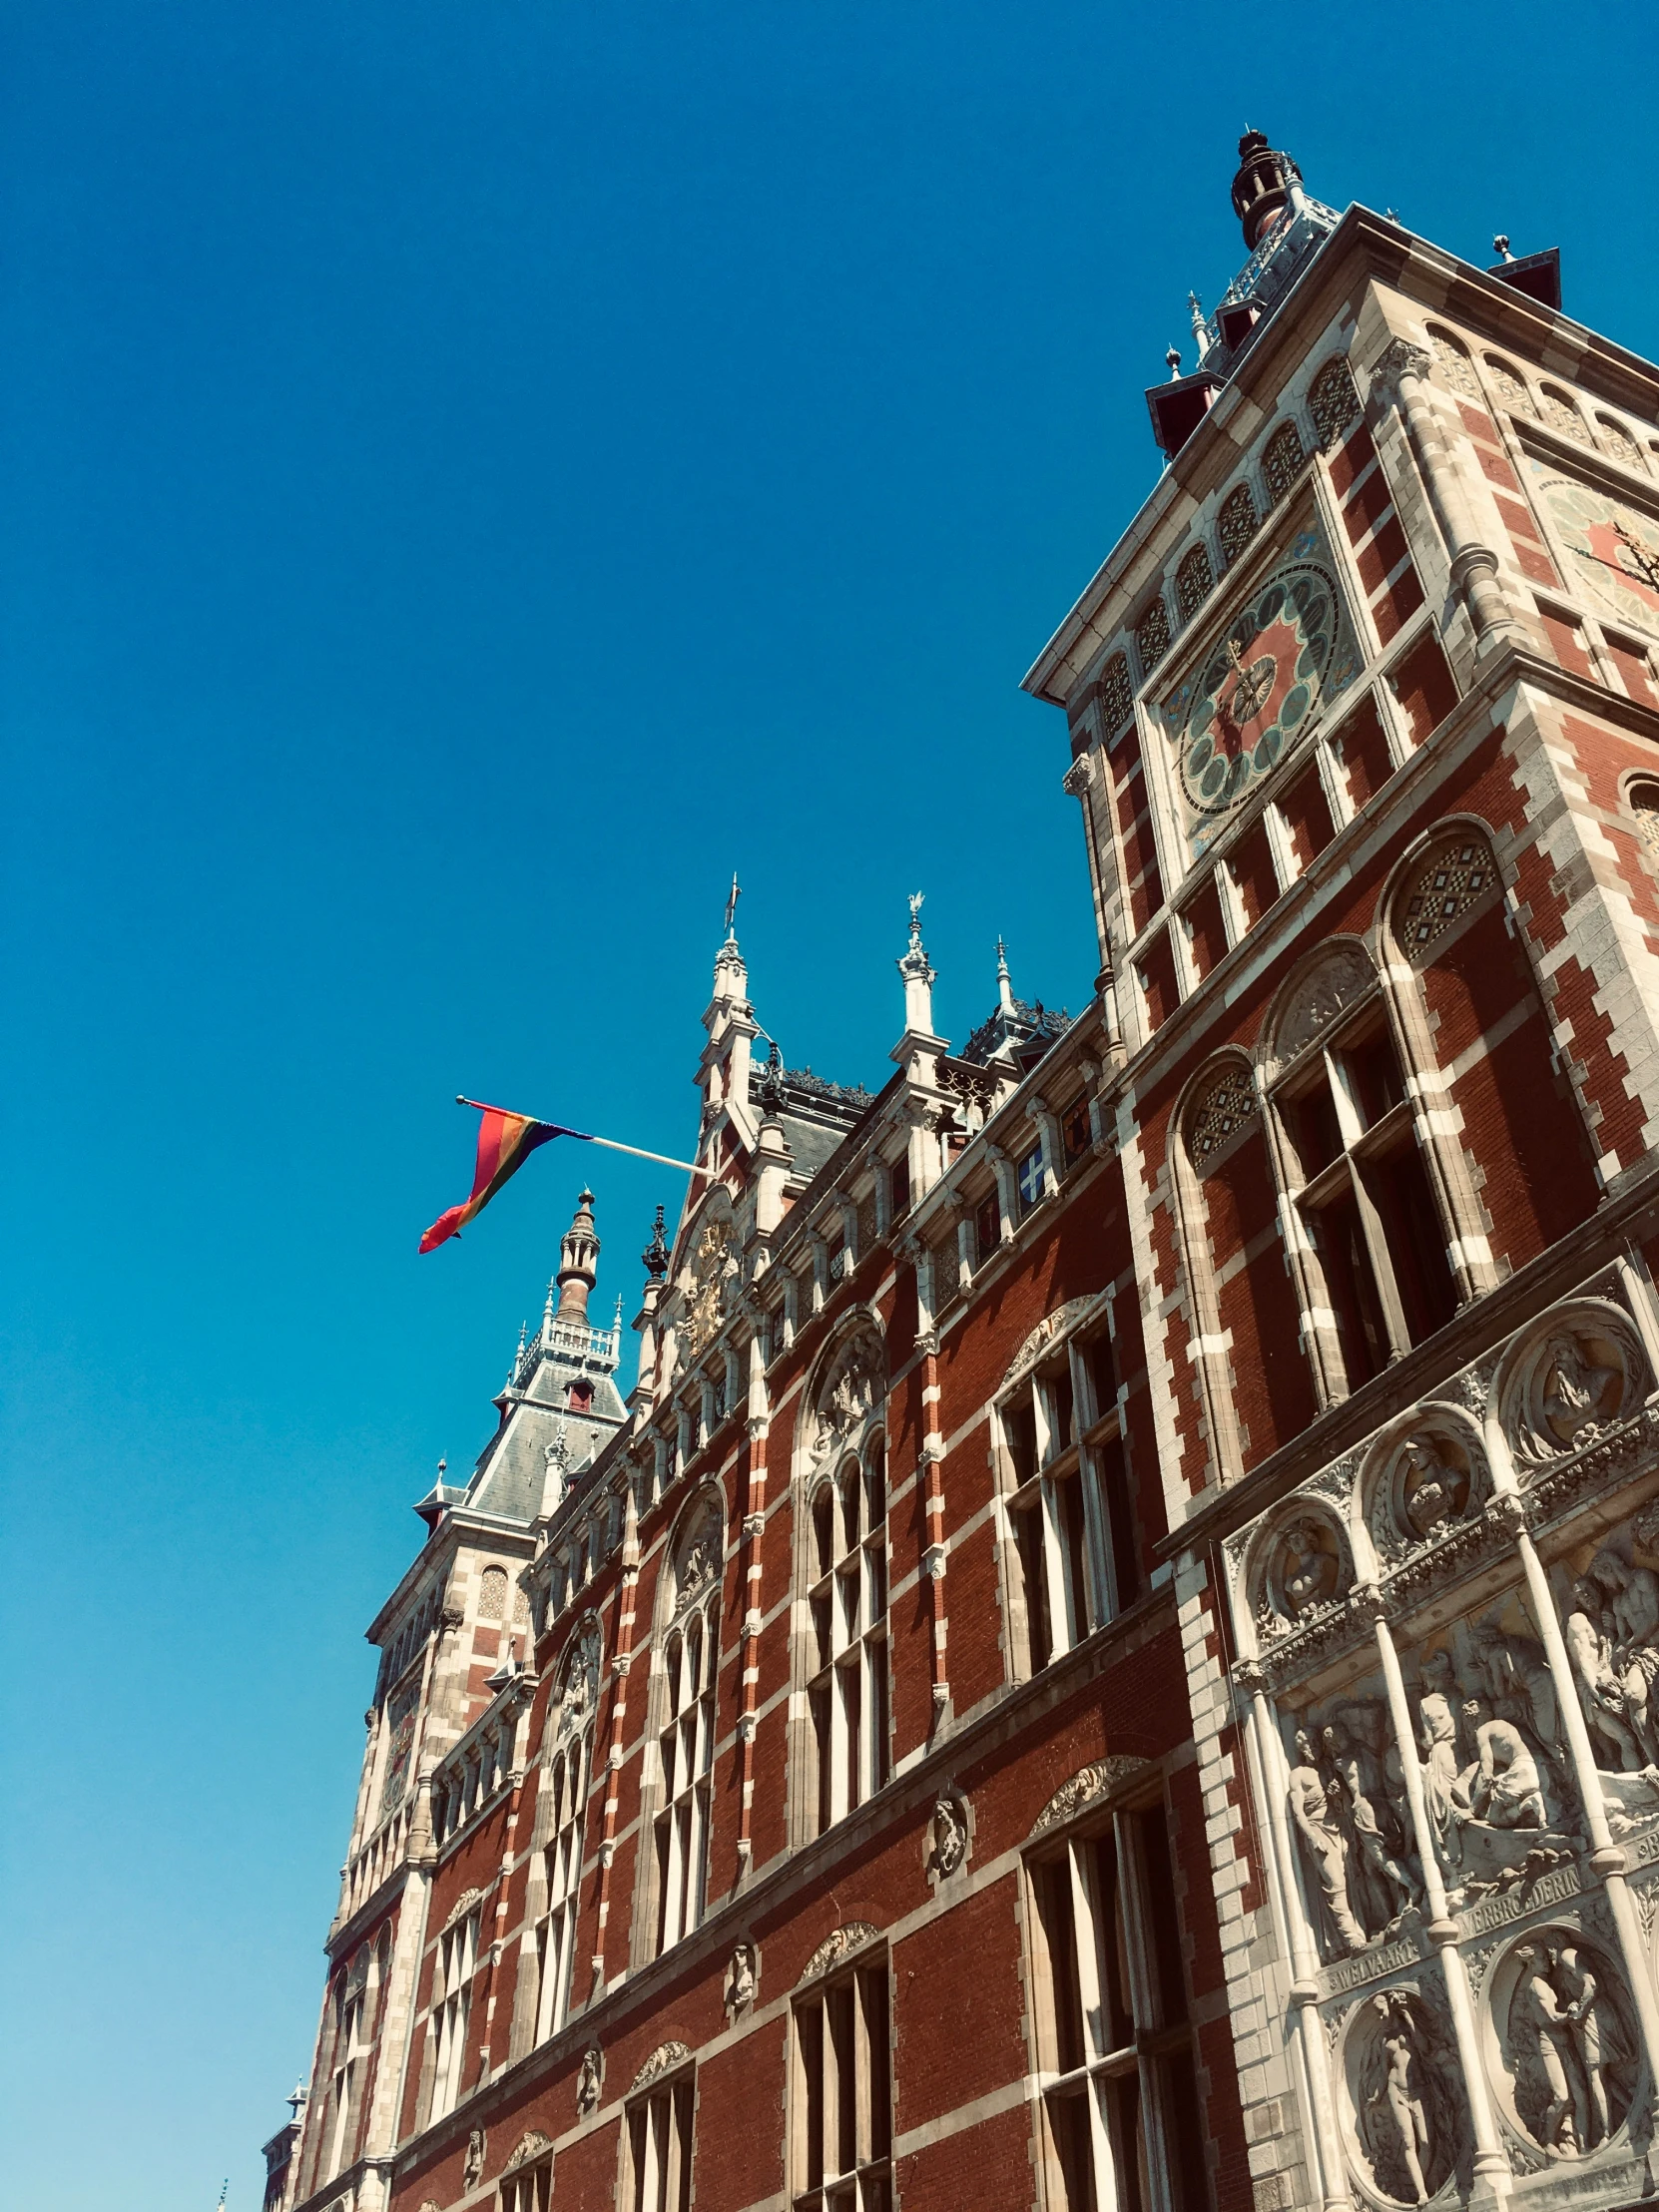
[(454, 1969), (865, 1983), (530, 2189), (677, 1809), (660, 2119), (1127, 2024), (1070, 1533), (848, 1675)]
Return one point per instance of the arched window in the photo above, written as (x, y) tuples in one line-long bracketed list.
[(1642, 798), (568, 1773), (841, 1574), (1236, 523), (1194, 581), (1353, 1171), (1117, 695), (1563, 414), (1332, 401), (1481, 1023), (1618, 442), (1075, 1555), (847, 1689), (1152, 636), (1282, 459), (686, 1731), (1257, 1391), (1510, 386), (1452, 363)]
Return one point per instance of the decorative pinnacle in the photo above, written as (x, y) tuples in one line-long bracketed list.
[(1172, 360), (653, 1259), (443, 1468), (1201, 337), (731, 908), (1500, 246), (1004, 983)]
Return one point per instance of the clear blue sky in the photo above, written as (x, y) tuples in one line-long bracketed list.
[(470, 476)]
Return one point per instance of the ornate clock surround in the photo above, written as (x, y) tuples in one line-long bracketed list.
[(1609, 537), (1257, 678)]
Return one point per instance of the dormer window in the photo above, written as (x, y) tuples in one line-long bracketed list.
[(580, 1399)]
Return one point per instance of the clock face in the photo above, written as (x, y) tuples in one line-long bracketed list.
[(1255, 688), (1614, 548)]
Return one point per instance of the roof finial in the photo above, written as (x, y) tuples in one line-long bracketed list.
[(443, 1468), (918, 976), (653, 1259), (1500, 246), (732, 896), (1004, 985), (1201, 332), (547, 1305), (1172, 361)]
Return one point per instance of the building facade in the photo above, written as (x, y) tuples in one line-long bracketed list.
[(1107, 1658)]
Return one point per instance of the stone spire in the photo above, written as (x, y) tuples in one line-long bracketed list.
[(1004, 983), (1266, 185), (578, 1264)]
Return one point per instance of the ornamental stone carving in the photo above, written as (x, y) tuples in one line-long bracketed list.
[(663, 2060), (1303, 1571), (462, 1906), (1050, 1329), (578, 1692), (1103, 1779), (742, 1979), (472, 2168), (699, 1559), (851, 1395), (1566, 2043), (590, 2080), (1340, 976), (948, 1845), (712, 1271), (1399, 2074), (839, 1943), (531, 2145)]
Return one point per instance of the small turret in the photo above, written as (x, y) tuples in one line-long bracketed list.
[(1266, 185), (578, 1264), (918, 976)]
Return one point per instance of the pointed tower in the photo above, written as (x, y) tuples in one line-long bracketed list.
[(578, 1264)]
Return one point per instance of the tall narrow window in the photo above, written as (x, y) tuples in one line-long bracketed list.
[(452, 2006), (1358, 1180), (350, 2053), (1194, 581), (685, 1739), (1070, 1508), (847, 1601), (567, 1779), (841, 2105), (1120, 2092), (530, 2189), (659, 2147)]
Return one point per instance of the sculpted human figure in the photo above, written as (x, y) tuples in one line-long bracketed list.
[(1400, 2095), (1600, 1691), (1308, 1572), (1437, 1742), (1630, 1601), (1538, 2028), (1574, 1393), (1577, 1985), (1506, 1791), (1358, 1772), (1324, 1847), (1432, 1488)]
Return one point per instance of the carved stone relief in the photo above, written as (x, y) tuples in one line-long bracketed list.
[(1572, 1380), (1340, 978), (1563, 2042), (1087, 1787), (590, 2080), (663, 2060), (473, 2167), (1302, 1572), (697, 1561), (1403, 2108), (529, 2146), (742, 1979), (947, 1834), (851, 1394), (579, 1680), (1050, 1329), (836, 1946)]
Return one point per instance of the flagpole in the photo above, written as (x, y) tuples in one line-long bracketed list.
[(584, 1136)]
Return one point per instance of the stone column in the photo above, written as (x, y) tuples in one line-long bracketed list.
[(1397, 376)]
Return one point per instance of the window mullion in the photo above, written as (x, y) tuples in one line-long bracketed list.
[(1061, 1630), (1087, 1949), (1382, 1265)]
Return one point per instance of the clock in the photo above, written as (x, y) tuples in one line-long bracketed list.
[(1257, 686), (1614, 547)]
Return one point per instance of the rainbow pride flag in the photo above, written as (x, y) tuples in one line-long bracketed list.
[(505, 1142)]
